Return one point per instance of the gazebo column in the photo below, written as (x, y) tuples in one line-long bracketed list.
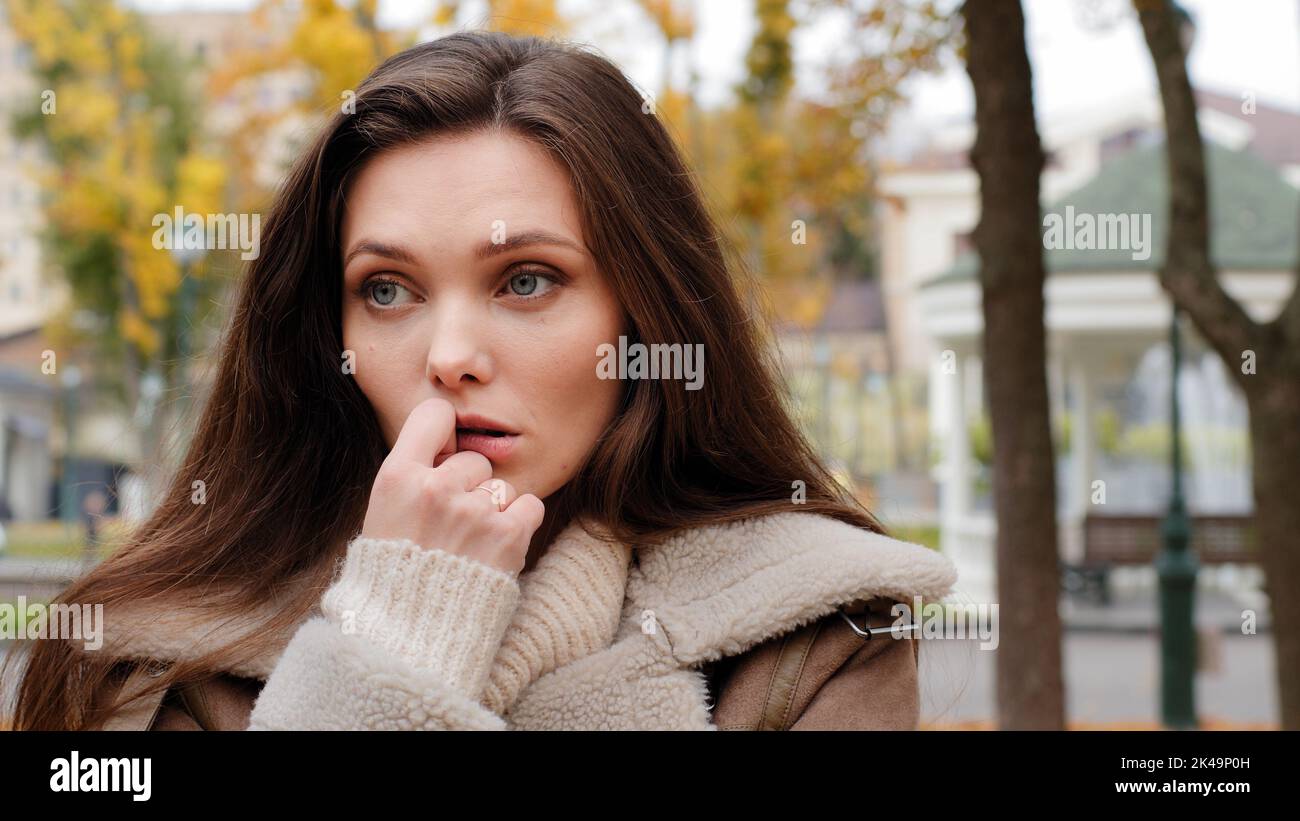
[(956, 490), (1081, 455), (966, 537)]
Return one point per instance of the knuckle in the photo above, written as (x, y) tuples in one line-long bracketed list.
[(498, 525), (432, 488), (532, 506), (517, 530), (506, 529), (470, 508)]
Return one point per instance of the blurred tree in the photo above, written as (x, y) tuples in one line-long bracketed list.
[(1008, 157), (119, 126), (325, 48), (800, 175), (675, 22), (1262, 357), (333, 43), (527, 18), (889, 43), (322, 50), (791, 179)]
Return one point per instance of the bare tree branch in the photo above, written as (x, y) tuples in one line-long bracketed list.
[(1288, 321), (1188, 274)]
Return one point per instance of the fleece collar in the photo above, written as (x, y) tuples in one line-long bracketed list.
[(715, 590), (719, 590)]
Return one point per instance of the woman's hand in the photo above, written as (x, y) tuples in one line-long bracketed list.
[(438, 507)]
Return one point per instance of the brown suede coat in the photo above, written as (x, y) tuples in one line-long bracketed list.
[(753, 624), (823, 676)]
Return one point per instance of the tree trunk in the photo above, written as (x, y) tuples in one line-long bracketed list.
[(1009, 159), (1275, 448), (1272, 388)]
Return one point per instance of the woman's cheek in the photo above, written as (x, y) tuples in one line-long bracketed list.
[(384, 387)]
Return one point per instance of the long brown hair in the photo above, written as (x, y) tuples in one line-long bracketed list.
[(287, 445)]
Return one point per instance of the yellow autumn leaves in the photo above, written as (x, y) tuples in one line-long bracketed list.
[(765, 161), (108, 175)]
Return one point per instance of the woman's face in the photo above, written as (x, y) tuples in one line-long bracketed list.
[(466, 277)]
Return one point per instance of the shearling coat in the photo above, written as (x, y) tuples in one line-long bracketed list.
[(744, 625)]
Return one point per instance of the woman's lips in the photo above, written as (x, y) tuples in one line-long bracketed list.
[(493, 447)]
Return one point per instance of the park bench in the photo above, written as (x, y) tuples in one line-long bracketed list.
[(1111, 541)]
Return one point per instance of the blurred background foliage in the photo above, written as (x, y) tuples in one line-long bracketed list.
[(145, 128), (131, 143)]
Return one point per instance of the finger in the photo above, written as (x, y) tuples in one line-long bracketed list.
[(446, 453), (468, 468), (425, 433), (503, 493), (529, 510)]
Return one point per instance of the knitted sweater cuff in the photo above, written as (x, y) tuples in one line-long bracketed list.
[(441, 613)]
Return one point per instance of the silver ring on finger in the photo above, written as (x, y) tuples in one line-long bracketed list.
[(493, 492)]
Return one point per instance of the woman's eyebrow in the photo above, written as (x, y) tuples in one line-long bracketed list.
[(369, 246), (524, 239), (485, 251)]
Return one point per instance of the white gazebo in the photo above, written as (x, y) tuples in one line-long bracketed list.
[(1108, 321)]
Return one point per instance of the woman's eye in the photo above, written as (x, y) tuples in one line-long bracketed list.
[(530, 285), (386, 293)]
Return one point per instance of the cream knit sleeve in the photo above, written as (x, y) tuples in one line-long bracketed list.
[(406, 640)]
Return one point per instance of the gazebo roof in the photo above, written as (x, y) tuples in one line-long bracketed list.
[(1253, 215)]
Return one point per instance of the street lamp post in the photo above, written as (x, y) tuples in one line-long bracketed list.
[(1176, 567), (67, 492)]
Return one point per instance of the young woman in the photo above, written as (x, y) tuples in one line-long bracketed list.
[(425, 504)]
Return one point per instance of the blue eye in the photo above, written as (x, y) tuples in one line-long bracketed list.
[(523, 284), (385, 292), (526, 284)]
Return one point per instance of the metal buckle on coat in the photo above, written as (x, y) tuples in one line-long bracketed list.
[(867, 631)]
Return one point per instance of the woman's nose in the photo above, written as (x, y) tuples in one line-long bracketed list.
[(456, 353)]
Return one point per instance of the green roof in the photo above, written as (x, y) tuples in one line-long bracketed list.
[(1253, 215)]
